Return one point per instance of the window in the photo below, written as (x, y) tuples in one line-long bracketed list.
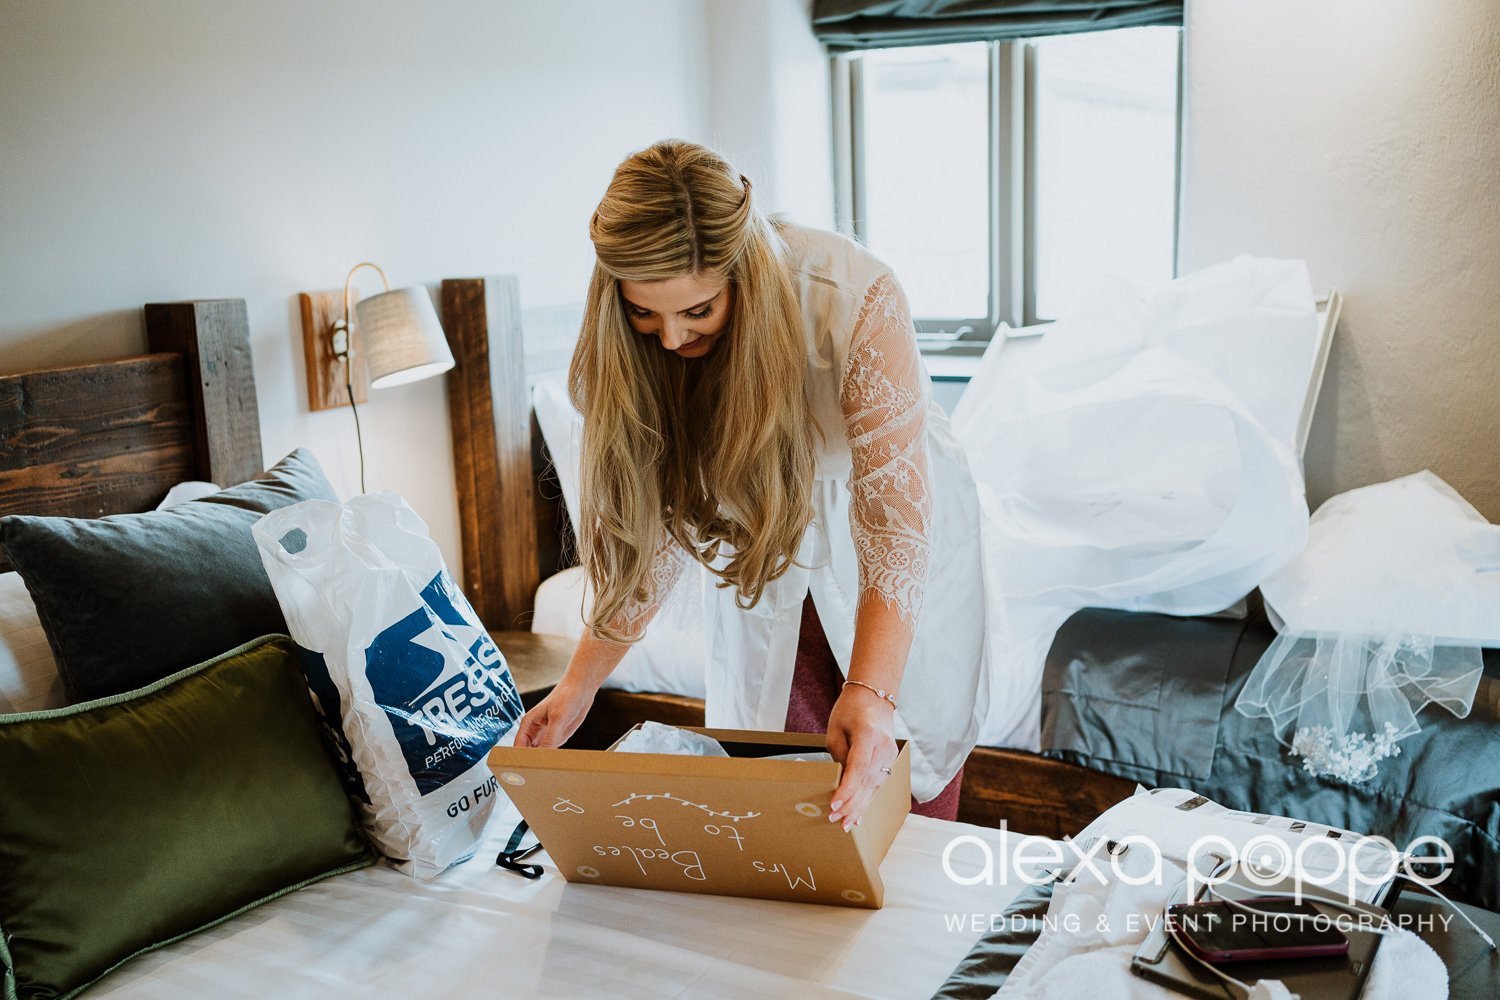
[(1001, 180)]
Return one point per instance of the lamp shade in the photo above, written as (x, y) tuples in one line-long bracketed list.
[(403, 339)]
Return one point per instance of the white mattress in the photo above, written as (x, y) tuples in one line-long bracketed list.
[(480, 931)]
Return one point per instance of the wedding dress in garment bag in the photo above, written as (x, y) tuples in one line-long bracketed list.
[(1145, 458)]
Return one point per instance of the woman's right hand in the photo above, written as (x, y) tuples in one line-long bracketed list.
[(557, 716)]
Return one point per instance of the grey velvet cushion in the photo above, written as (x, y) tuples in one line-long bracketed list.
[(128, 599)]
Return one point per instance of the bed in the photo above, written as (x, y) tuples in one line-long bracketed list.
[(1118, 692), (112, 438)]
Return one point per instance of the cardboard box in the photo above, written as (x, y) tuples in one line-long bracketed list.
[(736, 826)]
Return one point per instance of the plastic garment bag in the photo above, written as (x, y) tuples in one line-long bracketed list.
[(1146, 461), (1141, 455), (1381, 615)]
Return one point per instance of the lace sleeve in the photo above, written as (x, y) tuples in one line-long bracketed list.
[(884, 397), (667, 563)]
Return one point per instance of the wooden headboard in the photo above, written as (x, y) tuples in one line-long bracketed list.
[(112, 437), (512, 523)]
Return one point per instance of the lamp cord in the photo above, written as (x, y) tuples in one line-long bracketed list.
[(358, 437), (348, 331)]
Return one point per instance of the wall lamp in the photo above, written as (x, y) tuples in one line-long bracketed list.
[(353, 345)]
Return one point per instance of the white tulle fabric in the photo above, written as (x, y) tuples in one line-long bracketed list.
[(1380, 616), (1141, 455), (885, 401)]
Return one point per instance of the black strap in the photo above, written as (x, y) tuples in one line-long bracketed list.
[(510, 858)]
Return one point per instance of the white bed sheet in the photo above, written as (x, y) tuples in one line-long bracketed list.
[(480, 931)]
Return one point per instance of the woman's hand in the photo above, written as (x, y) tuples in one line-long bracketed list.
[(557, 716), (862, 737)]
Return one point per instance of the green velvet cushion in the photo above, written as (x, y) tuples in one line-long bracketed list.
[(129, 822), (128, 599)]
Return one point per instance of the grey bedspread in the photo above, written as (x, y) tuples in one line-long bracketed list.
[(1150, 698)]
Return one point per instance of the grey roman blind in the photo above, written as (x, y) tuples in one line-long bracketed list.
[(843, 25)]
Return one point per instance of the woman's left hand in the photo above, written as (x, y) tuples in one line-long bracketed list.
[(862, 737)]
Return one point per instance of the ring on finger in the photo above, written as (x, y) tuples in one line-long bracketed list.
[(885, 770)]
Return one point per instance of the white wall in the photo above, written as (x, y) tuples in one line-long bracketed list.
[(769, 103), (1365, 137), (163, 150)]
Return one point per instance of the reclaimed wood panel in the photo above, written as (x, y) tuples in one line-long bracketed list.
[(213, 337), (326, 386), (91, 440), (490, 411), (113, 437)]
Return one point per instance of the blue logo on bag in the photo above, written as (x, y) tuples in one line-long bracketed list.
[(443, 685)]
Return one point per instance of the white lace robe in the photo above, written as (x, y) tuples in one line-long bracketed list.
[(893, 499), (885, 400)]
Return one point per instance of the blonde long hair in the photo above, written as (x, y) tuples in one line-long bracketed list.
[(714, 450)]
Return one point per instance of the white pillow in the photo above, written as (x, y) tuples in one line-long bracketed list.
[(673, 655), (29, 681), (670, 659), (183, 492)]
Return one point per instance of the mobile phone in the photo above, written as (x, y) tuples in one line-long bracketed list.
[(1281, 927)]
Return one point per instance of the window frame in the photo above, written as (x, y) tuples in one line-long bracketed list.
[(1012, 189)]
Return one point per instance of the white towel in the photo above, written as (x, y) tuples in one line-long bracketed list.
[(1406, 967)]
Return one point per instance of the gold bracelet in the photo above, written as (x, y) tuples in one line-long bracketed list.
[(879, 693)]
